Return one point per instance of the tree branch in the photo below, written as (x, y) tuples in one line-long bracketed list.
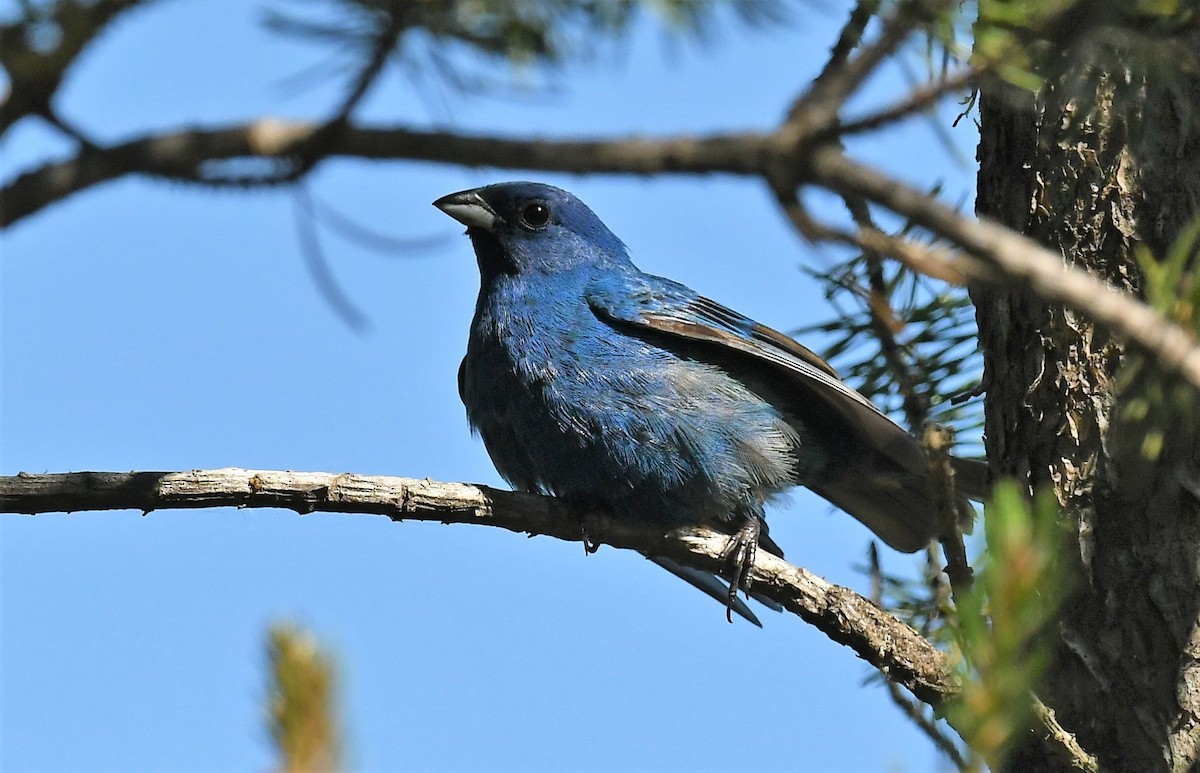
[(1063, 742), (900, 653), (191, 154), (321, 140), (35, 74), (916, 101), (1018, 260), (850, 36), (912, 709), (999, 253), (816, 111), (890, 645)]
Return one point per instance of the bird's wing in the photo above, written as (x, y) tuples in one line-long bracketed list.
[(880, 475), (667, 308)]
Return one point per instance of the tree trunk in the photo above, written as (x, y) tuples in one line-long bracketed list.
[(1104, 157)]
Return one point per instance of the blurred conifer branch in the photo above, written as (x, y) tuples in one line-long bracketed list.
[(302, 702)]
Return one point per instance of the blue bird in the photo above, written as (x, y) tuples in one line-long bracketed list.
[(593, 381)]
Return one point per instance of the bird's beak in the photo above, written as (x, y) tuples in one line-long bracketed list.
[(469, 208)]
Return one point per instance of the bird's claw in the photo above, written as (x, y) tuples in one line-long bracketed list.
[(589, 545), (739, 555)]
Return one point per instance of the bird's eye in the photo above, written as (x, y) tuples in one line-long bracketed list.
[(535, 215)]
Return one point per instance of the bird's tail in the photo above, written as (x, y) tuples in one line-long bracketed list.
[(712, 585), (895, 504), (898, 505), (970, 478)]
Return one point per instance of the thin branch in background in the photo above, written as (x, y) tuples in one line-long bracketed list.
[(918, 100), (318, 265), (937, 442), (850, 36), (1064, 741), (368, 237), (885, 323), (908, 706), (52, 117), (323, 140), (816, 111)]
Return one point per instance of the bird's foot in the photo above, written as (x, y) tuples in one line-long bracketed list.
[(592, 522), (739, 555)]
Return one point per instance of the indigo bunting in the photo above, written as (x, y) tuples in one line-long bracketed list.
[(591, 380)]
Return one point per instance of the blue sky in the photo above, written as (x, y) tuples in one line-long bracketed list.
[(155, 326)]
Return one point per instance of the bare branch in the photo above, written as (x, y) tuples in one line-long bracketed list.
[(184, 155), (846, 617), (918, 100), (1062, 741), (937, 441)]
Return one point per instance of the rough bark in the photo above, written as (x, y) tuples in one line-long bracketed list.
[(1103, 158)]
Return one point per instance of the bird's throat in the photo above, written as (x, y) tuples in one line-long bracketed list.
[(493, 259)]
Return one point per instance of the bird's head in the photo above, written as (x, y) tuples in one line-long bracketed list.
[(523, 227)]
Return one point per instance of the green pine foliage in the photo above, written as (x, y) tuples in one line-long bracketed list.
[(931, 325), (1003, 624), (424, 36)]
